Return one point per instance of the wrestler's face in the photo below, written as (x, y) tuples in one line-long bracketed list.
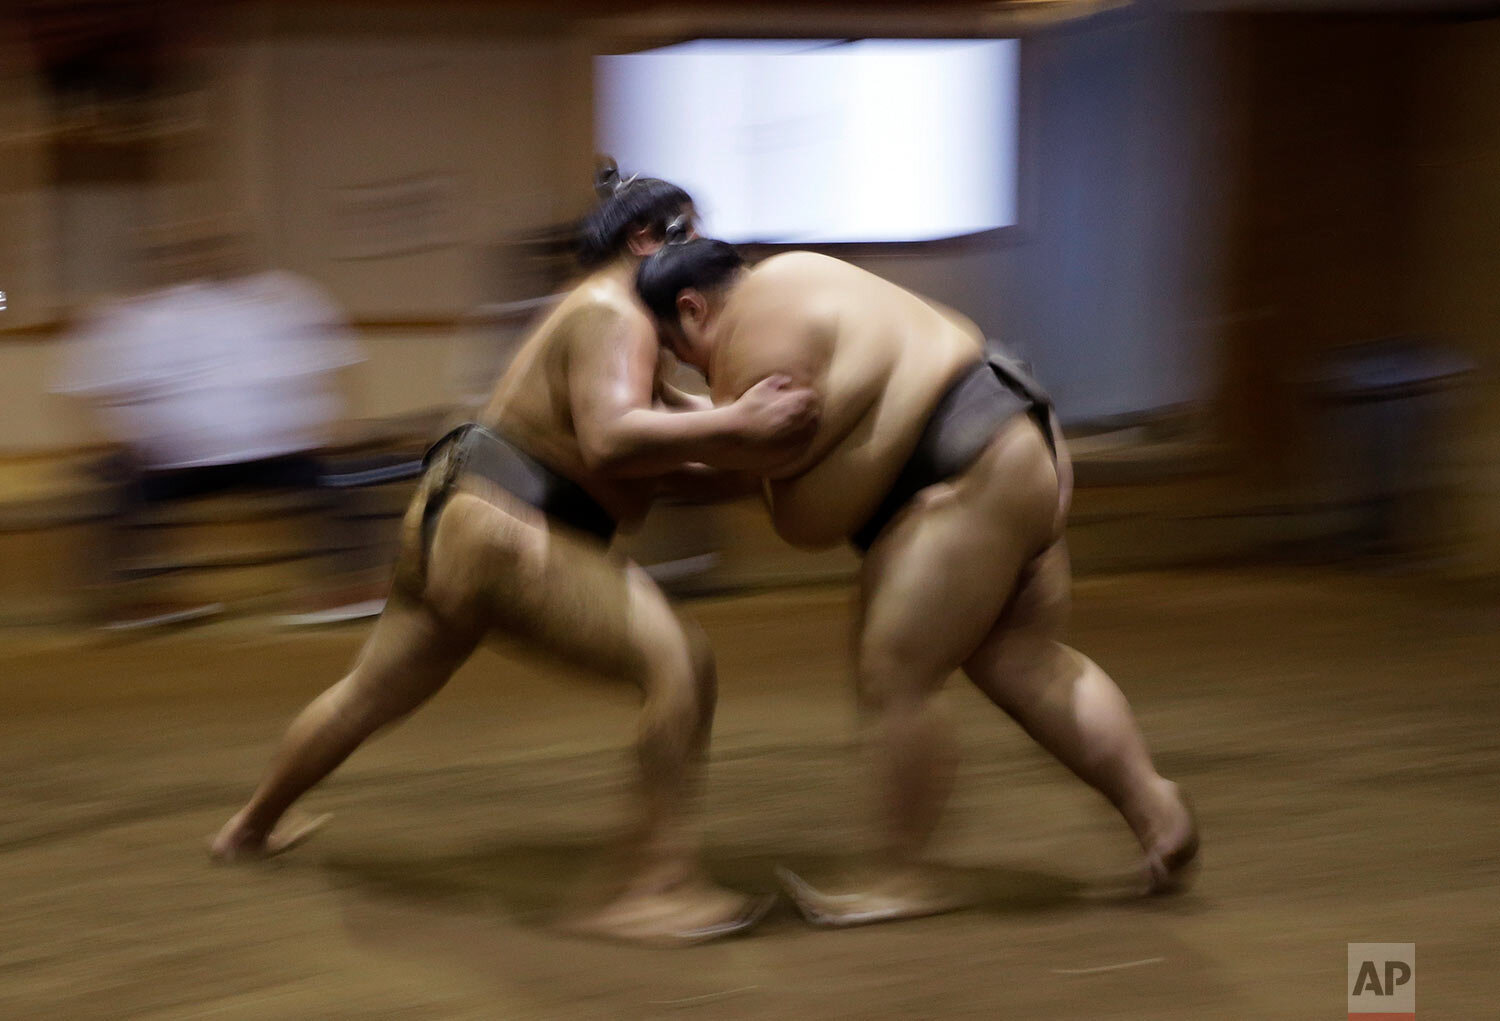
[(691, 339)]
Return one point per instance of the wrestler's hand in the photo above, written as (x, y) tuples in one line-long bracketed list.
[(777, 411)]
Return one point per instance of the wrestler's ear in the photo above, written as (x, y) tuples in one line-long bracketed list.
[(692, 307), (643, 241)]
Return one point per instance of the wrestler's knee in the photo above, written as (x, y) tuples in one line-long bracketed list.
[(705, 670), (666, 667), (674, 668), (890, 673), (700, 650)]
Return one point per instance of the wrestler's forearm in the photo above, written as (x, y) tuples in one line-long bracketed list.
[(644, 442), (745, 452)]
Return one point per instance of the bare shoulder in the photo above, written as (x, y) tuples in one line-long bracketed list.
[(790, 267), (804, 288), (784, 320), (595, 314), (597, 301), (793, 296)]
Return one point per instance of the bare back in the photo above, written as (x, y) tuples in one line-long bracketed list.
[(879, 356), (532, 405)]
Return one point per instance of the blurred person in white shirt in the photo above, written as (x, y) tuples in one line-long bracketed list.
[(221, 377)]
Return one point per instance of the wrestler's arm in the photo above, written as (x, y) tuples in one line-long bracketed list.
[(770, 346), (698, 482), (612, 382)]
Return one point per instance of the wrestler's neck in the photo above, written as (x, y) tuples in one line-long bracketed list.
[(620, 270)]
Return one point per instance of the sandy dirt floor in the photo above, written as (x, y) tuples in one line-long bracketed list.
[(1337, 732)]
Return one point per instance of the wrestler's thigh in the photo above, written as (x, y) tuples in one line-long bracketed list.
[(409, 654), (1023, 651), (508, 571), (931, 589)]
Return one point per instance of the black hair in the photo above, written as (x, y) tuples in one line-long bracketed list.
[(700, 263), (624, 206)]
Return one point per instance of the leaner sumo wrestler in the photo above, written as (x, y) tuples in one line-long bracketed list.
[(942, 461), (508, 535)]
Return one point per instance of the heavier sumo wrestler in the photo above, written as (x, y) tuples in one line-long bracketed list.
[(944, 465)]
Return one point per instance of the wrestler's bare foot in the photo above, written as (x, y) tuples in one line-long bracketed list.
[(1171, 845), (238, 841), (904, 893), (684, 913)]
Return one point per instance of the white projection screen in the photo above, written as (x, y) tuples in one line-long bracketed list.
[(805, 141)]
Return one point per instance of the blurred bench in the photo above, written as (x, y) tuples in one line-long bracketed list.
[(1147, 497), (246, 551), (50, 511)]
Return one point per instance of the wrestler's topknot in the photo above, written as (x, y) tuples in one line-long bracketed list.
[(625, 204)]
